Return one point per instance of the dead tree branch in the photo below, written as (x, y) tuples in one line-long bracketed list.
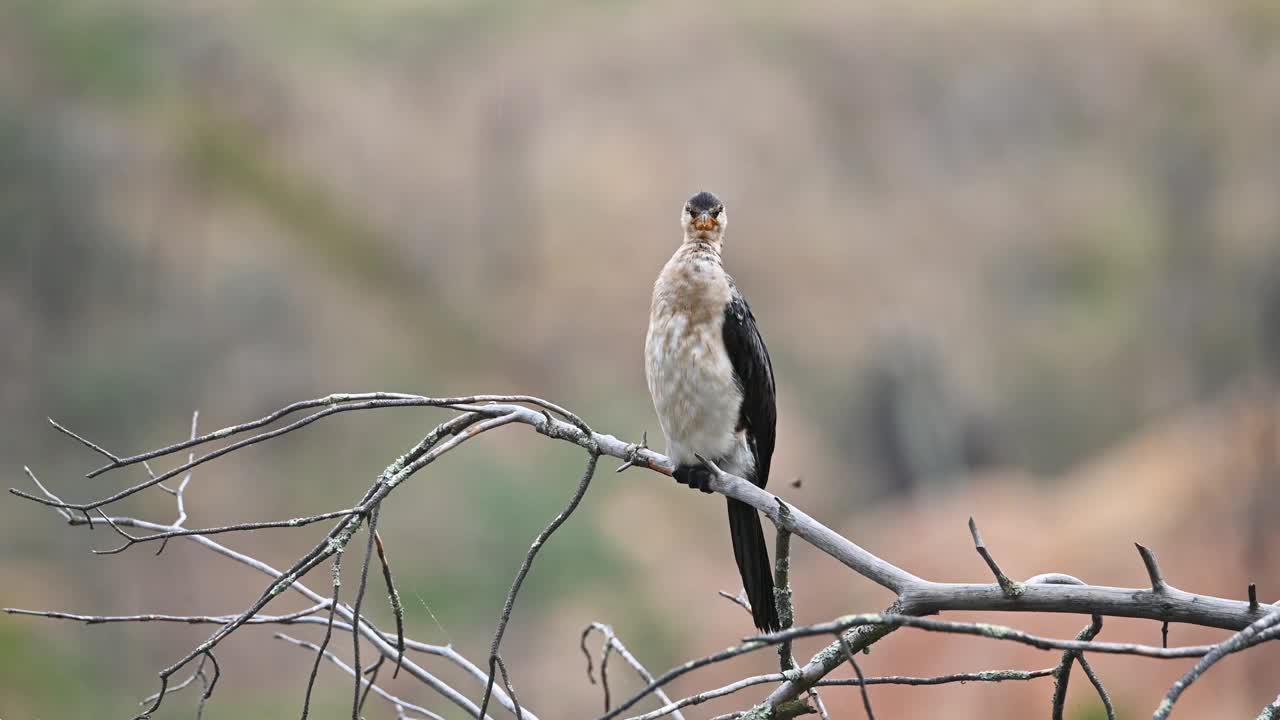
[(613, 644), (916, 597)]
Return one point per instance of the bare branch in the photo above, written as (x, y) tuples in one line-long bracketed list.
[(187, 619), (1103, 695), (782, 598), (195, 675), (592, 458), (336, 575), (372, 672), (985, 676), (444, 651), (1062, 673), (982, 677), (355, 610), (506, 683), (679, 670), (386, 400), (1001, 632), (58, 501), (633, 453), (611, 641), (217, 673), (335, 403), (321, 652), (782, 586), (132, 540), (382, 641), (92, 446), (916, 597), (1236, 642), (1153, 569), (394, 598), (386, 482), (182, 486), (1008, 587), (862, 681), (740, 599)]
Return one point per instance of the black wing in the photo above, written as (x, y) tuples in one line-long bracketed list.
[(754, 373)]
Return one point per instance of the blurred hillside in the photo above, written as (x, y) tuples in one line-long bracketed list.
[(985, 240)]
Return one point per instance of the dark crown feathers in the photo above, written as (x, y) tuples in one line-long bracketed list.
[(704, 202)]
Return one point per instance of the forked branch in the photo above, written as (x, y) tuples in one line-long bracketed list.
[(1255, 622)]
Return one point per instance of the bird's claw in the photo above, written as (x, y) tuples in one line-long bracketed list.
[(695, 476)]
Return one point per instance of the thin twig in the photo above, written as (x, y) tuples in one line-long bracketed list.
[(679, 670), (92, 446), (1158, 585), (355, 611), (182, 486), (337, 402), (382, 641), (1062, 674), (393, 596), (188, 619), (985, 676), (61, 511), (443, 651), (131, 540), (336, 575), (1008, 587), (372, 672), (862, 681), (506, 682), (1103, 695), (217, 673), (994, 632), (1236, 642), (605, 653), (634, 453), (611, 642), (197, 674), (390, 478), (387, 400), (740, 599), (592, 458), (320, 652), (1153, 569)]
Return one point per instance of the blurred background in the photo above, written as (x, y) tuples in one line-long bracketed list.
[(1015, 260)]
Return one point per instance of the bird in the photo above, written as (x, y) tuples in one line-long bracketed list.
[(711, 381)]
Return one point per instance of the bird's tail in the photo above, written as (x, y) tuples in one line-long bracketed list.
[(753, 563)]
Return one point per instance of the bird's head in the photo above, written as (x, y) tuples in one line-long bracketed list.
[(703, 218)]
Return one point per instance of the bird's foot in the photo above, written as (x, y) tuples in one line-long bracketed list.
[(695, 476)]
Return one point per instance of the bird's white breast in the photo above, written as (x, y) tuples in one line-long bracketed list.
[(690, 376)]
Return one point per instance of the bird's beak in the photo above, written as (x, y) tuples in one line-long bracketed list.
[(705, 222)]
